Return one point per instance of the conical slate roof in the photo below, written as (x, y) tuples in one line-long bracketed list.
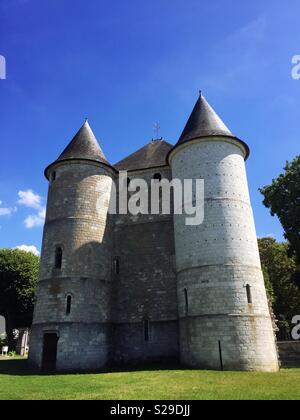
[(152, 155), (203, 122), (84, 145)]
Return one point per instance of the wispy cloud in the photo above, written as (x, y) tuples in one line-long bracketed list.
[(34, 201), (29, 248), (6, 211), (268, 235), (245, 47)]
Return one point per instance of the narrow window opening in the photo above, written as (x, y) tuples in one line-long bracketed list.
[(128, 182), (53, 176), (146, 329), (157, 177), (69, 305), (186, 302), (58, 258), (249, 294), (116, 265)]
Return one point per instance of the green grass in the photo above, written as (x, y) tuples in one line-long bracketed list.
[(18, 383)]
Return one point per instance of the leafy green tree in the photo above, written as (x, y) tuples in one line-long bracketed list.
[(279, 272), (18, 278), (282, 197), (3, 341)]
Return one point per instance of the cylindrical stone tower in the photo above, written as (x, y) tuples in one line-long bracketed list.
[(224, 316), (70, 327)]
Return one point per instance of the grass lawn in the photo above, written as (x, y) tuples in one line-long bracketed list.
[(18, 383)]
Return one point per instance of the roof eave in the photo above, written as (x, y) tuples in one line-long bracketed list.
[(144, 168), (57, 162), (245, 145)]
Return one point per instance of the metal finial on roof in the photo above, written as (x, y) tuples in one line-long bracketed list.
[(200, 93), (156, 127)]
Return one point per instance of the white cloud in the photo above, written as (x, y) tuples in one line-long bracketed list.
[(28, 248), (42, 212), (268, 235), (29, 199), (36, 219), (34, 201), (6, 211)]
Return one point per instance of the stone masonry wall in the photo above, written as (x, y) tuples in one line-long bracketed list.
[(78, 224), (216, 261), (148, 288), (145, 288)]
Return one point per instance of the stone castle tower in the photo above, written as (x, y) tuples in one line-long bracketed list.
[(138, 289)]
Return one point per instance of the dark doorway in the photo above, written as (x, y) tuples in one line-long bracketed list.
[(49, 352)]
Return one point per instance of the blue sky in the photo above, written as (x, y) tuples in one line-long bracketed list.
[(127, 64)]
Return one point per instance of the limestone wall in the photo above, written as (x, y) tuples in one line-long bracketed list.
[(216, 261), (145, 288), (78, 223)]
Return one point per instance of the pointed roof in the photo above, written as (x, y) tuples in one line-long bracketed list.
[(84, 145), (152, 155), (203, 121)]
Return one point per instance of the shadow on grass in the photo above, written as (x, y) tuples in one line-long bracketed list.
[(15, 367), (21, 367)]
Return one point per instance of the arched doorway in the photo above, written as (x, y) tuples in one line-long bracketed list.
[(49, 352)]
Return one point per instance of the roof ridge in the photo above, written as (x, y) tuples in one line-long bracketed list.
[(150, 155)]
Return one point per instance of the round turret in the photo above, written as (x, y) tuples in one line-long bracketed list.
[(224, 315), (72, 308)]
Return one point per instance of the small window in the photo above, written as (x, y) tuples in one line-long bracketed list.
[(146, 329), (128, 182), (58, 257), (157, 177), (249, 294), (116, 265), (69, 305), (53, 176), (186, 302)]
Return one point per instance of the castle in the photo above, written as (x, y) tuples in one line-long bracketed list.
[(138, 289)]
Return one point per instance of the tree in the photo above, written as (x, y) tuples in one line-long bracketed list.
[(282, 197), (279, 271), (18, 279)]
